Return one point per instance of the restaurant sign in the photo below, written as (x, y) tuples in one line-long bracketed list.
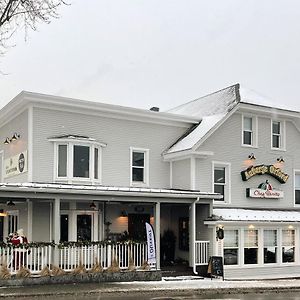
[(277, 173), (264, 190), (15, 165)]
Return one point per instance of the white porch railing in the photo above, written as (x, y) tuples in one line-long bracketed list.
[(201, 253), (33, 258), (71, 256)]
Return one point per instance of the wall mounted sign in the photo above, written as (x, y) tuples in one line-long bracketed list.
[(277, 173), (264, 190), (15, 165)]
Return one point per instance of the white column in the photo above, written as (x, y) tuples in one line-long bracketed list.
[(72, 221), (29, 219), (56, 220), (192, 235), (157, 233)]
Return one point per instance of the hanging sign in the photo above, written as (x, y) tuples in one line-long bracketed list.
[(150, 244), (15, 165), (277, 173), (264, 190)]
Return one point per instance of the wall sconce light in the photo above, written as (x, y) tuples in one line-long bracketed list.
[(7, 141), (93, 205), (123, 214), (15, 137), (220, 232), (279, 163), (10, 203), (3, 214), (250, 160)]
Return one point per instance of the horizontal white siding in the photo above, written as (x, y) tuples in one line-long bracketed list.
[(119, 135), (181, 174)]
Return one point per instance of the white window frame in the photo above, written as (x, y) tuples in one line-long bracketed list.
[(296, 172), (146, 167), (227, 185), (70, 155), (254, 136), (238, 246), (278, 252), (282, 135)]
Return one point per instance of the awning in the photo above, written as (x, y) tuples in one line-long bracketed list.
[(245, 215)]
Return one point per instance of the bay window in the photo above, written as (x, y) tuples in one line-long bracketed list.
[(288, 246), (270, 246), (77, 159)]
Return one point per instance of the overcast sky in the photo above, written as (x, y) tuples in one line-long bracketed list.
[(144, 53)]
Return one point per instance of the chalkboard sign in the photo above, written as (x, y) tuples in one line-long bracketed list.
[(215, 266)]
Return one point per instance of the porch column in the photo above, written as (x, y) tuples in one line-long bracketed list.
[(29, 219), (56, 220), (192, 234), (157, 233)]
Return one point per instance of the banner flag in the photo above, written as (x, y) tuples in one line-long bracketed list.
[(151, 243)]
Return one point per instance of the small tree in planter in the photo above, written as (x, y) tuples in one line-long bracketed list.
[(168, 241)]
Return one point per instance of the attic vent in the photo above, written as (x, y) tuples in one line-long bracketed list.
[(154, 108)]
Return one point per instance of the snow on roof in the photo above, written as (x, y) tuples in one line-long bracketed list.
[(57, 187), (230, 214), (216, 103), (197, 134), (212, 109)]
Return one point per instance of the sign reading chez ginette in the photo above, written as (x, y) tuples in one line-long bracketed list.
[(264, 190), (265, 169), (15, 165)]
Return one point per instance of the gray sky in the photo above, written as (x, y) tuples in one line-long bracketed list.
[(144, 53)]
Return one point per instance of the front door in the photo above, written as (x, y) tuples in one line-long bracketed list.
[(137, 227), (84, 227)]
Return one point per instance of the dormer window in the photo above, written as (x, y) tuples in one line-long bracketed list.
[(77, 159)]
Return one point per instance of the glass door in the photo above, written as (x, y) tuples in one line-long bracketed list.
[(84, 227)]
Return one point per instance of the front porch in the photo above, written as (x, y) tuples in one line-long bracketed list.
[(103, 227)]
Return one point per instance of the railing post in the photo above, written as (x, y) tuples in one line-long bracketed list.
[(109, 250)]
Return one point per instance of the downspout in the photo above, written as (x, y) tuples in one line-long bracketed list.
[(193, 237)]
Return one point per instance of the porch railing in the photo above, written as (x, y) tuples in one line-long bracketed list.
[(201, 253), (71, 256)]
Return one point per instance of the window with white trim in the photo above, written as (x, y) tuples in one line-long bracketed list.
[(270, 246), (277, 135), (221, 180), (139, 166), (247, 131), (288, 246), (77, 160), (251, 246), (231, 247), (297, 188)]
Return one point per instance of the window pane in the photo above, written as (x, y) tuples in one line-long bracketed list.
[(270, 255), (230, 256), (251, 238), (219, 189), (270, 238), (250, 255), (96, 163), (288, 254), (138, 174), (297, 197), (138, 159), (297, 181), (81, 161), (62, 160), (231, 238), (64, 228), (219, 175), (247, 138), (276, 141), (276, 127), (288, 237), (248, 124)]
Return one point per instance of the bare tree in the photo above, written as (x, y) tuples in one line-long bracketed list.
[(15, 14)]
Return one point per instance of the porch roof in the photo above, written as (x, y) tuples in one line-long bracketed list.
[(57, 188), (246, 215)]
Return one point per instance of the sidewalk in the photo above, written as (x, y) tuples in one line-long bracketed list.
[(165, 287)]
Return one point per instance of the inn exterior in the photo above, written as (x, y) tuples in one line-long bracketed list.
[(224, 164)]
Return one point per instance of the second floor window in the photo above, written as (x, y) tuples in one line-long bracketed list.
[(297, 188), (248, 131), (276, 135), (139, 166)]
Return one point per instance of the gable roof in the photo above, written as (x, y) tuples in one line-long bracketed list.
[(212, 110)]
